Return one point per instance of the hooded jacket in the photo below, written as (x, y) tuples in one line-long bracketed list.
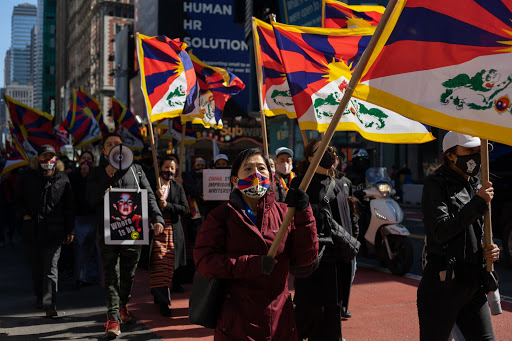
[(256, 306), (48, 201)]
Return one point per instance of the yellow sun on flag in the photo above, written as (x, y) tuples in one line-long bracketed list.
[(255, 182), (179, 67), (507, 42), (357, 22), (335, 69), (88, 111)]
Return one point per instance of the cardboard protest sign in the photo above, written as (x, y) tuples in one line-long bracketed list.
[(216, 184), (126, 217)]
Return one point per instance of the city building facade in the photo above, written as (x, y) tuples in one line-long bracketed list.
[(24, 18)]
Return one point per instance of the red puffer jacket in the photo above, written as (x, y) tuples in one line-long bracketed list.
[(257, 306)]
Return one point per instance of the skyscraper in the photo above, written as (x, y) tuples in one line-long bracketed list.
[(23, 20), (44, 56)]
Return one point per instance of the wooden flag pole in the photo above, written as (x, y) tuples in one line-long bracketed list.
[(484, 151), (356, 76), (263, 120), (153, 152), (272, 18), (182, 149)]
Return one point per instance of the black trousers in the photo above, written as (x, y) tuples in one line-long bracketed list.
[(461, 300), (45, 274)]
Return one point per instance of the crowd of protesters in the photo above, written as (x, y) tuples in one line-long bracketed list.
[(59, 207)]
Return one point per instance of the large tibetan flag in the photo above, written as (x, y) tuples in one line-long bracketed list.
[(173, 130), (216, 87), (336, 14), (319, 64), (447, 64), (31, 128), (127, 126), (81, 121), (273, 86), (168, 79)]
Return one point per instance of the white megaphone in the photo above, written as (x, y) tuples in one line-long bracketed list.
[(120, 157)]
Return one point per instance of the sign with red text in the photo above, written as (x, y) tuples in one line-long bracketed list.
[(126, 217), (216, 184)]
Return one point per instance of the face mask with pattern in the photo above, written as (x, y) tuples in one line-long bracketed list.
[(254, 186)]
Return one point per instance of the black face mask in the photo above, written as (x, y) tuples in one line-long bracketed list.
[(327, 160), (469, 164), (167, 175)]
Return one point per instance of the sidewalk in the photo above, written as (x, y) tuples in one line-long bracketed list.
[(383, 308)]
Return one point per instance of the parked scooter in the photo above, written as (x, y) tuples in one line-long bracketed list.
[(384, 237)]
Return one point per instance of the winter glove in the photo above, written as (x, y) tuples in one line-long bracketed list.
[(267, 264), (297, 198)]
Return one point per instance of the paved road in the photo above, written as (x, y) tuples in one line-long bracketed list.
[(379, 302)]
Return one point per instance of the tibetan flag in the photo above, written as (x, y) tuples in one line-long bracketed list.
[(336, 14), (31, 127), (16, 159), (274, 89), (81, 120), (127, 126), (86, 100), (254, 185), (319, 64), (174, 128), (447, 64), (61, 135), (216, 86), (168, 79)]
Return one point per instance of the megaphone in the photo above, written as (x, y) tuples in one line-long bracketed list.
[(120, 157)]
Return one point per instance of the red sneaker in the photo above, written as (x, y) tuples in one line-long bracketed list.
[(125, 315), (112, 328)]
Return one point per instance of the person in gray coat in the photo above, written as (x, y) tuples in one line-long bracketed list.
[(119, 280)]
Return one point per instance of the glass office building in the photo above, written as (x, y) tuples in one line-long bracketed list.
[(24, 18)]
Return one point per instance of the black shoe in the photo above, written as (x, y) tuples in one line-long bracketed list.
[(51, 313), (346, 314), (165, 310), (177, 288)]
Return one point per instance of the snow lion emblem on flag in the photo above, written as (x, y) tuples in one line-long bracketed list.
[(485, 90)]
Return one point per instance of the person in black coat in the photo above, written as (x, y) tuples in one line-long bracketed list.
[(45, 202), (168, 248), (119, 278), (86, 253), (453, 203), (318, 298)]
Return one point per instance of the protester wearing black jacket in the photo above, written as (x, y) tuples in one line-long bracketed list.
[(451, 289), (318, 298), (86, 253), (119, 279), (45, 202)]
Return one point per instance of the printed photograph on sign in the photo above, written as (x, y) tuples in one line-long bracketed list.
[(216, 184), (126, 217)]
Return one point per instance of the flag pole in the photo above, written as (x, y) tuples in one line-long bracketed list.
[(484, 152), (263, 120), (272, 18), (356, 76), (153, 152), (150, 128), (182, 149)]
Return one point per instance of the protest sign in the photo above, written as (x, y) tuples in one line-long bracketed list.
[(216, 184), (126, 217)]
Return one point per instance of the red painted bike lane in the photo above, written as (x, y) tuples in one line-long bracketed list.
[(383, 308)]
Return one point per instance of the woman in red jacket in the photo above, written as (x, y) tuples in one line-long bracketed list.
[(233, 243)]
